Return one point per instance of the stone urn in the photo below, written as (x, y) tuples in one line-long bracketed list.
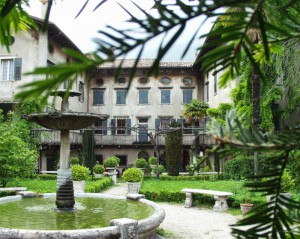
[(246, 207), (133, 187), (79, 186)]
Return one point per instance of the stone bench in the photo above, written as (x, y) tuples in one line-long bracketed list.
[(13, 189), (220, 197)]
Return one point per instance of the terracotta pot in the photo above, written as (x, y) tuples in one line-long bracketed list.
[(246, 207)]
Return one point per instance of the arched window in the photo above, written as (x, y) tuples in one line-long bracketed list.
[(143, 154)]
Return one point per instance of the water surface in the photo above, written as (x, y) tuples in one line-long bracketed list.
[(40, 213)]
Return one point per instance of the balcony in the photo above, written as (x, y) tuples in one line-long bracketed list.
[(52, 137)]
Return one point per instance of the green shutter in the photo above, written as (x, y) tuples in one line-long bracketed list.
[(18, 69)]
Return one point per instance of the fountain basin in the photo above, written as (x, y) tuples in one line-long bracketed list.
[(60, 120), (119, 228)]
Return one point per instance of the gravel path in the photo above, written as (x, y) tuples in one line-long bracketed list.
[(189, 223)]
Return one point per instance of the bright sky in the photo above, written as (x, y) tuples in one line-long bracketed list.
[(84, 28)]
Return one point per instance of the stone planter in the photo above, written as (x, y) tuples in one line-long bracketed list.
[(98, 175), (133, 187), (246, 207), (111, 172), (79, 186)]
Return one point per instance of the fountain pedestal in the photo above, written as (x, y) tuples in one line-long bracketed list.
[(64, 190)]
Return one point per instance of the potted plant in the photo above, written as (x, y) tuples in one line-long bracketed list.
[(133, 176), (98, 169), (79, 174), (142, 164), (111, 163), (152, 161), (246, 207)]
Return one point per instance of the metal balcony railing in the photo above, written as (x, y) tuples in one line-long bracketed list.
[(52, 137), (125, 136)]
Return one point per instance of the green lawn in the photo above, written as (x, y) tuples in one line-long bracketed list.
[(176, 186), (170, 190)]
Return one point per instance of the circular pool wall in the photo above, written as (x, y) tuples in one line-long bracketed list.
[(119, 228)]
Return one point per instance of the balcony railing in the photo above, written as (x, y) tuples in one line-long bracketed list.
[(52, 137), (104, 136)]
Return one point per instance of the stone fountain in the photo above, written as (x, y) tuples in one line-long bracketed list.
[(65, 120), (35, 216)]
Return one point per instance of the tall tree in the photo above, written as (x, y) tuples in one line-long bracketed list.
[(173, 142)]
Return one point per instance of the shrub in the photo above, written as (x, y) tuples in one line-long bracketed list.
[(79, 172), (133, 175), (239, 167), (98, 168), (140, 163), (152, 160), (161, 169), (98, 185), (47, 176), (74, 160), (112, 162), (287, 182)]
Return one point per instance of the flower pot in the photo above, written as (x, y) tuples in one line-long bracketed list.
[(133, 187), (246, 207)]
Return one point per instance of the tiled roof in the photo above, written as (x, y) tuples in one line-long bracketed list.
[(143, 63)]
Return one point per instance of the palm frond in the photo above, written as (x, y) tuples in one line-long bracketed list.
[(272, 219)]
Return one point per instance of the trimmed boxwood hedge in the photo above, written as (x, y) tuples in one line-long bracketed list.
[(47, 176), (98, 185)]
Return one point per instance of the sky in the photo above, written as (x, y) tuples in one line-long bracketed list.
[(83, 29)]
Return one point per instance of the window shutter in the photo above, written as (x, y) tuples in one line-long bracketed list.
[(157, 124), (104, 125), (113, 126), (128, 125), (18, 69)]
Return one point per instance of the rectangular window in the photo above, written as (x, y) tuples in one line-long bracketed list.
[(143, 96), (188, 127), (165, 96), (121, 126), (100, 127), (66, 84), (98, 96), (215, 83), (49, 64), (7, 69), (207, 91), (165, 122), (81, 90), (187, 95), (121, 97), (123, 160)]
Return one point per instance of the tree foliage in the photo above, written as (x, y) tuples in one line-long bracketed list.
[(195, 111), (17, 157), (173, 142)]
